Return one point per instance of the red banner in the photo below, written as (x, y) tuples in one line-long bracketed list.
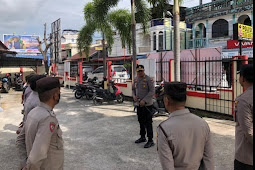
[(235, 44)]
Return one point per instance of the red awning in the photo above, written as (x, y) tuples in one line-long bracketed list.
[(114, 58)]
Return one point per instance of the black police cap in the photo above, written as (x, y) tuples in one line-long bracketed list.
[(33, 80), (139, 67), (47, 83)]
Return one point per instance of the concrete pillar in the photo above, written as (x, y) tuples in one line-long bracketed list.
[(252, 18), (207, 34), (193, 34)]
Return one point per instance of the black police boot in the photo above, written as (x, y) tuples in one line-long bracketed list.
[(149, 144), (140, 140)]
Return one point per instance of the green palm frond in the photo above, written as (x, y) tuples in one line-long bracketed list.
[(121, 21), (143, 14), (85, 38), (108, 35), (159, 6)]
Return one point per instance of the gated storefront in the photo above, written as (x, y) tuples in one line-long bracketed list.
[(213, 83)]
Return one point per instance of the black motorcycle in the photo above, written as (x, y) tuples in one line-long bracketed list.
[(88, 90), (18, 82), (105, 95), (158, 102), (158, 107)]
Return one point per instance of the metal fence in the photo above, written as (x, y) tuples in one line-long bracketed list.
[(217, 79)]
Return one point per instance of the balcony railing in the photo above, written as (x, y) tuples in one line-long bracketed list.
[(217, 8), (199, 43)]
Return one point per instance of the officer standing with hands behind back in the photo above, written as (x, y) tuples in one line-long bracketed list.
[(40, 143), (143, 91)]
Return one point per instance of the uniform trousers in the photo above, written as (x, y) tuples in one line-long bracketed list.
[(241, 166), (145, 120)]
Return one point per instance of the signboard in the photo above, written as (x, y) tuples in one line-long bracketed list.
[(21, 43), (231, 44), (242, 32), (55, 48), (98, 48)]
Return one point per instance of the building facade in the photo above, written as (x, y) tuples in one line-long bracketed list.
[(212, 23)]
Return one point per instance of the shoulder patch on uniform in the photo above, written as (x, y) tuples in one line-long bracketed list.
[(52, 126), (236, 103)]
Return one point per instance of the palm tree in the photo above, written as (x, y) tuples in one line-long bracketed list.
[(102, 8), (120, 19), (139, 6)]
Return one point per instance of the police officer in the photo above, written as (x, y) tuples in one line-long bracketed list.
[(184, 139), (143, 91), (32, 100), (40, 142), (244, 121)]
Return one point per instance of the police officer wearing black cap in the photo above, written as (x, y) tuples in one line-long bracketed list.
[(40, 142), (184, 139), (143, 90), (244, 121)]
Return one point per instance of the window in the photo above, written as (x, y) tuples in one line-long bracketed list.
[(220, 28), (99, 70), (119, 69), (154, 41), (160, 40), (72, 40)]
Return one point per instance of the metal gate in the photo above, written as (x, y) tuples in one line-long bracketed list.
[(216, 79)]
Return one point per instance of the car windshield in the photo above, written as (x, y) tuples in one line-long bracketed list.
[(119, 69)]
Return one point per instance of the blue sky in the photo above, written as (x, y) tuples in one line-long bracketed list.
[(28, 16)]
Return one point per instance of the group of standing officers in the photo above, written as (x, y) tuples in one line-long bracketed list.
[(39, 140), (183, 140)]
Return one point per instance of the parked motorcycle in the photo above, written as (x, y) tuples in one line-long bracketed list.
[(105, 95), (5, 86), (158, 101), (18, 82), (88, 90), (158, 108)]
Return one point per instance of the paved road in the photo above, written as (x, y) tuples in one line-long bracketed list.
[(102, 137)]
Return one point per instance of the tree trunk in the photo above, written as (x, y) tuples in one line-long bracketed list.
[(46, 66), (133, 22), (104, 57), (176, 41)]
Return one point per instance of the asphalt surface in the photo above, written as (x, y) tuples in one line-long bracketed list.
[(102, 137)]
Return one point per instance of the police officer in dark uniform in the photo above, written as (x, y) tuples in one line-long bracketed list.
[(143, 90)]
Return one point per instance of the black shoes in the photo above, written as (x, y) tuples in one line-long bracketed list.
[(140, 140), (149, 144)]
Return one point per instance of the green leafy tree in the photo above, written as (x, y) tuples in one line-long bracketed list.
[(100, 10), (119, 19)]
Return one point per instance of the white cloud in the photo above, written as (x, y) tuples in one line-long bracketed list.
[(29, 15)]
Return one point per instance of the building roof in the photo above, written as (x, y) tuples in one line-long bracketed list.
[(4, 49), (91, 52)]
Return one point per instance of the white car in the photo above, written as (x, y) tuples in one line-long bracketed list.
[(118, 72)]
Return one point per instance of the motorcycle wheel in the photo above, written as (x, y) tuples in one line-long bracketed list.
[(120, 98), (96, 101), (78, 94)]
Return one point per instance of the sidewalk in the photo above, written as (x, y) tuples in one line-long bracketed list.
[(102, 137)]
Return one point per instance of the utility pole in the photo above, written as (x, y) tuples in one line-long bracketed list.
[(133, 22), (176, 41)]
